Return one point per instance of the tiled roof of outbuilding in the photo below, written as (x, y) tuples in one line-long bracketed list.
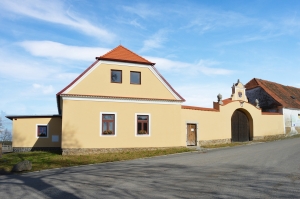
[(287, 96), (120, 53)]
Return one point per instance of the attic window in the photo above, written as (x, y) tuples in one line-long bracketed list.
[(293, 97), (135, 77), (116, 76)]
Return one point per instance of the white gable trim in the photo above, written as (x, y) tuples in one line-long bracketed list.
[(142, 101), (122, 64)]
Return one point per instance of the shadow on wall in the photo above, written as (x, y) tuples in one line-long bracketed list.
[(49, 137), (43, 137)]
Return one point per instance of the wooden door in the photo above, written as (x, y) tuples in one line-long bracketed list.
[(240, 128), (191, 135)]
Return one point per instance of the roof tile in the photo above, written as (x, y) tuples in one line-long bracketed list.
[(120, 53), (287, 96)]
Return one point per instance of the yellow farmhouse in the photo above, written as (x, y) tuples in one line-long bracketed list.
[(122, 102)]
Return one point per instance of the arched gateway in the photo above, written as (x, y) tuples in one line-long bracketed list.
[(240, 127)]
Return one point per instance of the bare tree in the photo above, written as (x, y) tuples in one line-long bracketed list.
[(5, 135)]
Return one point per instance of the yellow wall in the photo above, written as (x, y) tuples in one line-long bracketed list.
[(24, 132), (217, 125), (98, 82), (81, 125)]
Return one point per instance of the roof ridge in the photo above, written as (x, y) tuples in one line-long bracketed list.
[(283, 96), (108, 56), (276, 83)]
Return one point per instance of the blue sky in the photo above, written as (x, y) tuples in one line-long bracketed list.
[(200, 47)]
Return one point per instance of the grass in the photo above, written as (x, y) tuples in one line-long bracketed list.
[(266, 139), (47, 160)]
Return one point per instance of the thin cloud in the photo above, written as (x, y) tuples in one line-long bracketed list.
[(55, 12), (247, 39), (206, 20), (193, 93), (42, 88), (155, 41), (142, 10), (59, 50), (28, 70), (202, 67)]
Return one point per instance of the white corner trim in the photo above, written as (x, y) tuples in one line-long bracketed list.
[(122, 64), (142, 101), (36, 130), (135, 124), (116, 121)]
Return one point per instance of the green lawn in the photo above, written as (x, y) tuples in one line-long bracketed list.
[(47, 160)]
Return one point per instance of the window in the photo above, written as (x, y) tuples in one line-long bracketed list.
[(42, 131), (116, 76), (135, 77), (142, 124), (108, 124)]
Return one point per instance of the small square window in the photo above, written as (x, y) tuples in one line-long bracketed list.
[(116, 76), (42, 131), (135, 77), (142, 124), (108, 124)]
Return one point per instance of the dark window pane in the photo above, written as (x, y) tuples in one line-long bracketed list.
[(42, 131), (108, 124), (139, 126), (135, 77), (104, 126), (116, 76), (145, 127), (142, 117), (108, 117), (111, 124)]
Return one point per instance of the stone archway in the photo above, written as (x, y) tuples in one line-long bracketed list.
[(240, 127)]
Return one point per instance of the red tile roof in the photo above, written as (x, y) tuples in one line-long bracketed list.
[(287, 96), (226, 101), (122, 54)]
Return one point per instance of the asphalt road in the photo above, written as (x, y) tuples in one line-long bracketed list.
[(266, 170)]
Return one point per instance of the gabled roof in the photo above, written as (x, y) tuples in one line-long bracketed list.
[(287, 96), (122, 54)]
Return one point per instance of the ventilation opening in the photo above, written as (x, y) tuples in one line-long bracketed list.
[(293, 97)]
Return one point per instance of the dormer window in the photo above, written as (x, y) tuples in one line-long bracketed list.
[(116, 76), (135, 77)]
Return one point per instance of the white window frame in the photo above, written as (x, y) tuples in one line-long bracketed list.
[(115, 127), (36, 130), (149, 125)]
